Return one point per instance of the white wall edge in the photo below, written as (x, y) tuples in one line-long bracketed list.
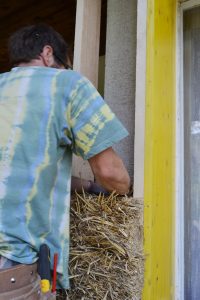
[(179, 203), (140, 96)]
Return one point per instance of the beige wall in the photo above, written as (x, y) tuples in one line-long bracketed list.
[(120, 70)]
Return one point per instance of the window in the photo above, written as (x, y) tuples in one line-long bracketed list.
[(191, 43)]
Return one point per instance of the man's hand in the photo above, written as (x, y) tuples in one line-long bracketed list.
[(88, 186), (110, 172), (96, 189)]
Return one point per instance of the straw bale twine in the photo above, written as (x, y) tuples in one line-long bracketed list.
[(106, 257)]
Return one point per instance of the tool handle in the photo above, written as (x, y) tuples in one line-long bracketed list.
[(44, 267), (55, 262)]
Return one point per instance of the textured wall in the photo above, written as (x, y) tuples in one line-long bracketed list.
[(120, 70)]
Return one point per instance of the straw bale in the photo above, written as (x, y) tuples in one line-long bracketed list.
[(106, 256)]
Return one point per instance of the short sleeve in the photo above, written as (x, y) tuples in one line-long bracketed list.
[(94, 127)]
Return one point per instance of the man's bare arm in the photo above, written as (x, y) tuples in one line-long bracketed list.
[(110, 172)]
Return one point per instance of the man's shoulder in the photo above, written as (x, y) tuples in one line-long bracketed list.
[(3, 75), (65, 76)]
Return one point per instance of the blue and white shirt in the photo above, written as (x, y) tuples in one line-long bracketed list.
[(46, 114)]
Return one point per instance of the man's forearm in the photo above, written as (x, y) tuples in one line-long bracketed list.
[(110, 172), (120, 184)]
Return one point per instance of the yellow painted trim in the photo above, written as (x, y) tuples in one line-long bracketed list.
[(159, 191)]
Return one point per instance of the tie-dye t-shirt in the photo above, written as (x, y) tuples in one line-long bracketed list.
[(46, 114)]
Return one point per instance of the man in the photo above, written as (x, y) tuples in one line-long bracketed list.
[(46, 114)]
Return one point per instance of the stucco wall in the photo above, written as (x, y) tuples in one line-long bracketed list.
[(120, 70)]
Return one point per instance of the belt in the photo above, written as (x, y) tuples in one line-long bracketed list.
[(17, 277)]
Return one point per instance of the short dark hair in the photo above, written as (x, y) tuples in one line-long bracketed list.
[(28, 42)]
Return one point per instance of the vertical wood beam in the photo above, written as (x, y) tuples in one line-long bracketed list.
[(160, 150), (87, 37), (86, 58)]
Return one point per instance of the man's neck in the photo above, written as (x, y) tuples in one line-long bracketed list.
[(32, 63)]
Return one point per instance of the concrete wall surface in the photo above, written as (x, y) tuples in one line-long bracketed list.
[(120, 71)]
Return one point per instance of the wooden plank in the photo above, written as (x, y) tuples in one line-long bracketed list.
[(86, 58), (87, 35), (140, 95), (160, 128)]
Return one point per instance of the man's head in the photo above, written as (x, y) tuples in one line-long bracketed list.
[(39, 44)]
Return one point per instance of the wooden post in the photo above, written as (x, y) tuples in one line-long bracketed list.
[(86, 58), (140, 95), (87, 36)]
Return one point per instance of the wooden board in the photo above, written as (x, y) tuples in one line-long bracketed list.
[(86, 58), (87, 37)]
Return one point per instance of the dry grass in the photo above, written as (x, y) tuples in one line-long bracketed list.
[(106, 259)]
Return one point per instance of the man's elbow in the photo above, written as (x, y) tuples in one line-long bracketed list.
[(114, 180), (110, 172)]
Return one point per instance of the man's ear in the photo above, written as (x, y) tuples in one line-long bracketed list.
[(47, 55)]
